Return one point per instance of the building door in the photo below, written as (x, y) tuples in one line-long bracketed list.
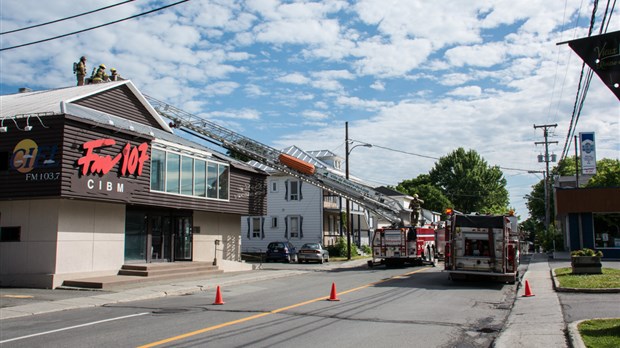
[(183, 239), (157, 235), (160, 232)]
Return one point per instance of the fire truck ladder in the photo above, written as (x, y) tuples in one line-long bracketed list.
[(323, 177)]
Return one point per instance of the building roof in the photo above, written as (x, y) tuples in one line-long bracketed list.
[(60, 101), (56, 101)]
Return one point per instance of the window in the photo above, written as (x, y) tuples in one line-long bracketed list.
[(158, 170), (274, 222), (10, 234), (256, 227), (187, 175), (222, 186), (173, 172), (180, 174), (606, 230), (294, 223), (274, 186), (200, 178), (212, 180), (294, 194)]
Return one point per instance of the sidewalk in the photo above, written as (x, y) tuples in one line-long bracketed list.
[(538, 320), (535, 321), (87, 299)]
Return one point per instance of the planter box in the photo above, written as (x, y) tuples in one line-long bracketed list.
[(586, 264)]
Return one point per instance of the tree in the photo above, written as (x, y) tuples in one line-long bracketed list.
[(238, 156), (470, 183), (607, 174)]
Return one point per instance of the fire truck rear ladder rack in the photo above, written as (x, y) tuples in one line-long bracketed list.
[(323, 178)]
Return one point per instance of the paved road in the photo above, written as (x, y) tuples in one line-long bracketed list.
[(377, 307)]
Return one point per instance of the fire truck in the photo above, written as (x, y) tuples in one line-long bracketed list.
[(482, 246), (405, 245)]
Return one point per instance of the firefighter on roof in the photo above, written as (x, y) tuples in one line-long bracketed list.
[(80, 70), (100, 75)]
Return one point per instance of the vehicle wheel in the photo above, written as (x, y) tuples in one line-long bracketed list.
[(327, 259), (300, 260), (321, 261)]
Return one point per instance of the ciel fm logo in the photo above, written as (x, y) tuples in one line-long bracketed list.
[(27, 156)]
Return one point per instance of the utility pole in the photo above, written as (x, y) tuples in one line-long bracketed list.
[(545, 128), (346, 140)]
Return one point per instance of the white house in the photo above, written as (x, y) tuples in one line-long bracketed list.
[(300, 212)]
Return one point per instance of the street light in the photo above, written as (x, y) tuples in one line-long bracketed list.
[(347, 152)]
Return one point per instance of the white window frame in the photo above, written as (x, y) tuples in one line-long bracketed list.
[(274, 222), (293, 196), (294, 228)]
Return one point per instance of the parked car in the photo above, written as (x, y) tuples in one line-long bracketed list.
[(312, 252), (281, 251)]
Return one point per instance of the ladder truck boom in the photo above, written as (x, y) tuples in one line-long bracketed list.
[(319, 176)]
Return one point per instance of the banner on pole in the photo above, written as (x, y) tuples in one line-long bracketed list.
[(588, 153), (602, 54)]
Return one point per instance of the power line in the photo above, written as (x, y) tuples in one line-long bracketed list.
[(66, 18), (95, 27)]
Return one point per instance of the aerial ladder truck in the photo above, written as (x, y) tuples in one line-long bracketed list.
[(317, 175)]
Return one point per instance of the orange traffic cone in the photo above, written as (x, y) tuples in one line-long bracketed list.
[(528, 291), (332, 295), (218, 297)]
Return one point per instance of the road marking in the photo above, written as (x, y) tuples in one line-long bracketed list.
[(17, 296), (73, 327), (282, 309)]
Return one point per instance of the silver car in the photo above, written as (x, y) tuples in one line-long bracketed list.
[(312, 252)]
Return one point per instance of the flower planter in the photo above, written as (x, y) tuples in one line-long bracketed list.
[(586, 264)]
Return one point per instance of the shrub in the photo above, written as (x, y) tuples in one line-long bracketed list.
[(340, 248), (367, 249), (587, 252)]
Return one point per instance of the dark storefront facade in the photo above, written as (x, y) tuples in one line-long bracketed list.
[(590, 218), (93, 178)]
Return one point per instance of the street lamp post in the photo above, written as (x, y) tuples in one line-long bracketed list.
[(347, 152)]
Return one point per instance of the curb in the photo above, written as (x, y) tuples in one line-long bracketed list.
[(575, 336), (558, 288)]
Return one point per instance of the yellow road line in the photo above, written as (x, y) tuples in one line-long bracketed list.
[(282, 309)]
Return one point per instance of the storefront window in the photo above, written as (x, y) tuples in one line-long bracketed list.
[(158, 170), (172, 172), (607, 230), (200, 178), (187, 173)]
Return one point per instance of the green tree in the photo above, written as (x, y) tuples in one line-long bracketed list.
[(607, 174), (470, 183)]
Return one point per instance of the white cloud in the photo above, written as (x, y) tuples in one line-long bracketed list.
[(378, 85), (315, 115), (294, 78), (468, 91)]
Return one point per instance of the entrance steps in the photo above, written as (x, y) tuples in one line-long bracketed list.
[(133, 275)]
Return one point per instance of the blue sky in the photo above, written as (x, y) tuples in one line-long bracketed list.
[(419, 77)]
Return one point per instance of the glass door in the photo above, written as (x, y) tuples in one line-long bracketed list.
[(135, 236), (183, 239), (161, 239)]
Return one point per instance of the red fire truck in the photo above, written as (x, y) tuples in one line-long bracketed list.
[(482, 246), (400, 246)]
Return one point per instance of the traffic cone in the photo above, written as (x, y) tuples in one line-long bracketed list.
[(528, 291), (332, 295), (218, 297)]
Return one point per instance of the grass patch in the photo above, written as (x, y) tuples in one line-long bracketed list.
[(600, 333), (609, 279)]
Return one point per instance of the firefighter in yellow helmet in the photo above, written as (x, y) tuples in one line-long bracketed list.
[(79, 69), (114, 76), (100, 75)]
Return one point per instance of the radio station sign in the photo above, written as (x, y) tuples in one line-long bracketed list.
[(96, 168), (36, 162)]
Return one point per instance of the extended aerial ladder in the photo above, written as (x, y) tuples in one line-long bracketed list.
[(319, 176)]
